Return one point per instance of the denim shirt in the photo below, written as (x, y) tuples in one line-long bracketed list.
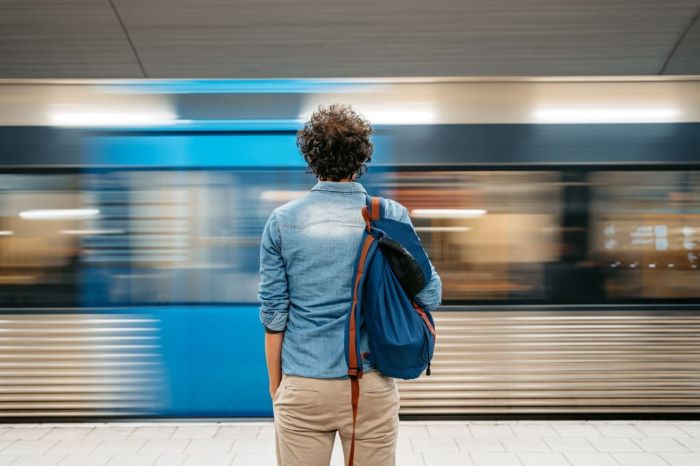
[(307, 254)]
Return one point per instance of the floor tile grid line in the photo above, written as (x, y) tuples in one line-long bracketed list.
[(184, 449), (520, 457), (640, 442)]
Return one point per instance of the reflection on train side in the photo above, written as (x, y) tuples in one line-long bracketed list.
[(161, 237)]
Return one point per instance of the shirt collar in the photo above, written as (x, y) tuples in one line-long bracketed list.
[(339, 186)]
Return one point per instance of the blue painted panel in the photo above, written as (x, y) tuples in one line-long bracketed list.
[(278, 150), (214, 360), (206, 150)]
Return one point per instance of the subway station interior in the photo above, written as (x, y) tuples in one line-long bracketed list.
[(547, 152)]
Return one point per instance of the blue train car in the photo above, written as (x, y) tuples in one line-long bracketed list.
[(131, 213)]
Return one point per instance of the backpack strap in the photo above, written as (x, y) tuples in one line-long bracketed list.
[(372, 211), (354, 368)]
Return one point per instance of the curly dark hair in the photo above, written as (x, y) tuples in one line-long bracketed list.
[(335, 143)]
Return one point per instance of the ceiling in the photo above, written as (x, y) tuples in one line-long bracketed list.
[(334, 38)]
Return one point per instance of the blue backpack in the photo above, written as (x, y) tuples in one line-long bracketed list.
[(391, 267)]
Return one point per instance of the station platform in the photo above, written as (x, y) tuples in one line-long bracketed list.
[(432, 443)]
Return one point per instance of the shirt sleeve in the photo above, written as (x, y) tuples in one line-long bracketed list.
[(273, 292), (430, 297)]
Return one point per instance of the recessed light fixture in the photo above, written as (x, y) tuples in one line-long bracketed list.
[(59, 214), (6, 232), (447, 213), (282, 196), (450, 229), (87, 118), (591, 114), (92, 232)]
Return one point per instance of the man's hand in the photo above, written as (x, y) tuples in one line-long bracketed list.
[(273, 390)]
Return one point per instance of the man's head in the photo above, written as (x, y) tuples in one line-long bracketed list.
[(335, 143)]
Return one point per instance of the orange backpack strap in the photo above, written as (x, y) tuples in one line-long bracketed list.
[(375, 202), (354, 372)]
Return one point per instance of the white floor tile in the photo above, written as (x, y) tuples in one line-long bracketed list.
[(434, 444), (661, 445), (543, 459), (691, 429), (258, 445), (170, 460), (337, 458), (209, 446), (408, 458), (74, 447), (195, 432), (209, 460), (67, 433), (533, 430), (692, 444), (491, 431), (165, 446), (661, 430), (524, 444), (618, 430), (28, 447), (639, 459), (446, 459), (25, 433), (469, 445), (37, 460), (84, 460), (412, 430), (609, 445), (449, 430), (577, 430), (119, 447), (681, 459), (153, 432), (591, 459), (473, 443), (495, 459), (132, 460), (103, 432), (254, 459), (569, 445), (238, 432)]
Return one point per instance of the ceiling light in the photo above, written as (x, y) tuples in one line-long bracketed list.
[(282, 196), (110, 119), (443, 229), (447, 213), (59, 214), (6, 233), (605, 115)]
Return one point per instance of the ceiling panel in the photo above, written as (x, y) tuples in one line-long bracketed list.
[(60, 38), (686, 59), (341, 38), (253, 38)]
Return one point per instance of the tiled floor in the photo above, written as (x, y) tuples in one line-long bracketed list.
[(474, 443)]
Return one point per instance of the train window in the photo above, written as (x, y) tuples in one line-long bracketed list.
[(181, 236), (489, 234), (645, 231), (126, 237), (193, 236), (41, 218)]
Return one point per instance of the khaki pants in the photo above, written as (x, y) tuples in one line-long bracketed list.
[(308, 412)]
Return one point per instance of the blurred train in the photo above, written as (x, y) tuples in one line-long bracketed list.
[(563, 216)]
